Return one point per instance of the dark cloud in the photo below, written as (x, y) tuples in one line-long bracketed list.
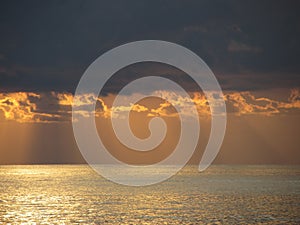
[(242, 47), (47, 45)]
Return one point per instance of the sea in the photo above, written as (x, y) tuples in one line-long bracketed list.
[(222, 194)]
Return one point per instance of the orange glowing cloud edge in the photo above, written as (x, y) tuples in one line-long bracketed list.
[(20, 107), (24, 107)]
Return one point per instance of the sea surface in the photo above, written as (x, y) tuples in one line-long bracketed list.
[(75, 194)]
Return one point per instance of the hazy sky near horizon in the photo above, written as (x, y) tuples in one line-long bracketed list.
[(251, 46)]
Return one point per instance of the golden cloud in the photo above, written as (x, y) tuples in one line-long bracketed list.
[(20, 107), (26, 107), (246, 103)]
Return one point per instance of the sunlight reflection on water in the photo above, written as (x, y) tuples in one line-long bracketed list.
[(58, 194)]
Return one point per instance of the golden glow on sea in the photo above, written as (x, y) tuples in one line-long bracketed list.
[(75, 194)]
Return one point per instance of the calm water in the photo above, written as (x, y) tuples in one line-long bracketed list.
[(72, 194)]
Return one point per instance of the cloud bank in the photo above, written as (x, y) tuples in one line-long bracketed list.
[(30, 107)]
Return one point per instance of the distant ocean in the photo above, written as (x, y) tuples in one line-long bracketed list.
[(75, 194)]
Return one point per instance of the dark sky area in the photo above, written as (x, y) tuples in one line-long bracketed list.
[(249, 45)]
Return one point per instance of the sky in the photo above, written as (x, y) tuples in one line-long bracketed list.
[(252, 47)]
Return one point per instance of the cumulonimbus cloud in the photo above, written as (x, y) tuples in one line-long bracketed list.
[(26, 107)]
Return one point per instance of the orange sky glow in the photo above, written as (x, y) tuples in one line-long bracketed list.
[(261, 127)]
